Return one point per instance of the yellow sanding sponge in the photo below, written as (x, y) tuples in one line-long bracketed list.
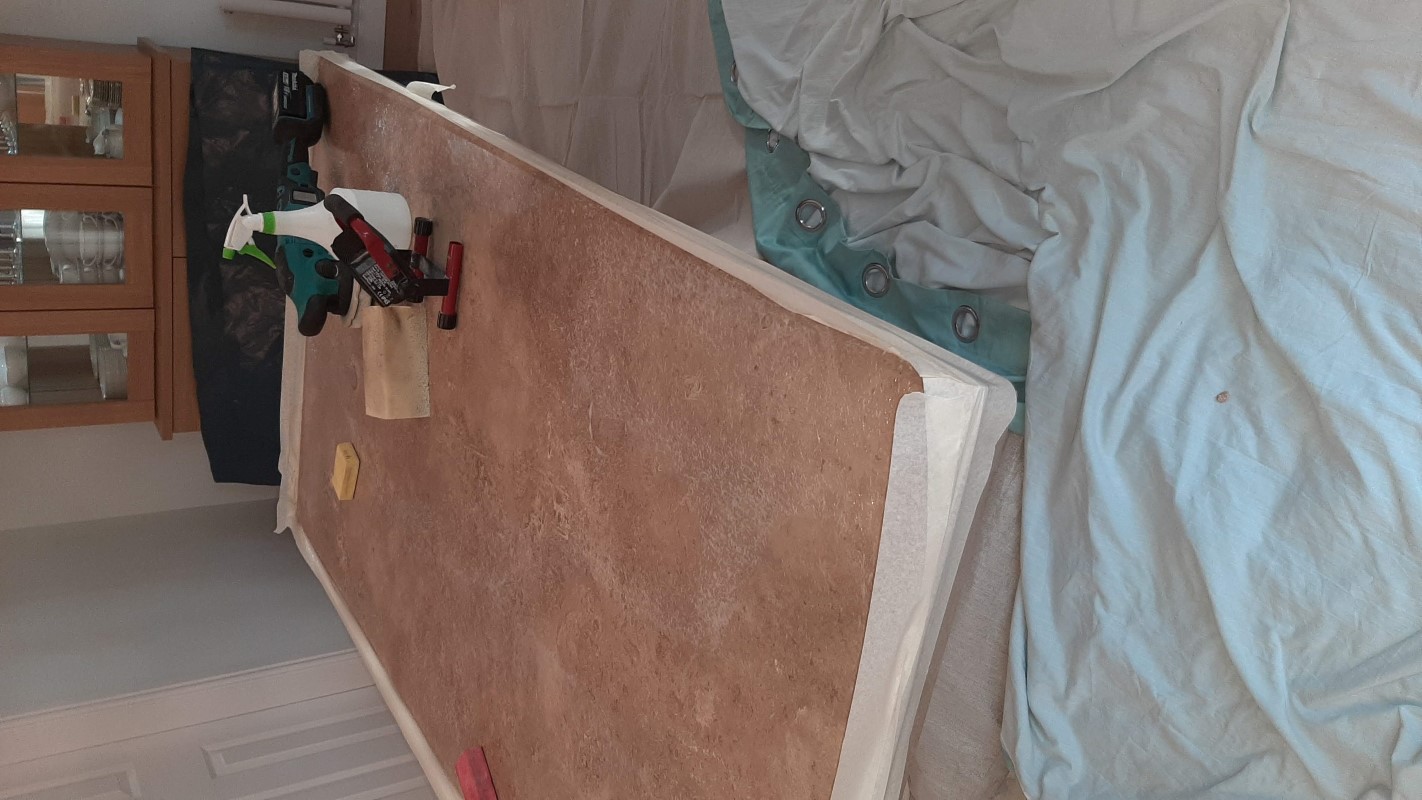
[(343, 475)]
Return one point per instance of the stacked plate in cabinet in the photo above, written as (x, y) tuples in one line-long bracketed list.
[(85, 246)]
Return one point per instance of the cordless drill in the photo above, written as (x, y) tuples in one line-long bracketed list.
[(309, 274)]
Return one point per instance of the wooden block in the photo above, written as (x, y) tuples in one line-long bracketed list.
[(396, 359), (345, 471)]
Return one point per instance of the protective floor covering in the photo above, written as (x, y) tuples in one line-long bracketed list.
[(632, 551), (563, 101)]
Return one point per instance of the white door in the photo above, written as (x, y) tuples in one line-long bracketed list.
[(343, 746)]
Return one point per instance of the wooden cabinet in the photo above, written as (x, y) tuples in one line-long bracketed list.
[(93, 311), (177, 387)]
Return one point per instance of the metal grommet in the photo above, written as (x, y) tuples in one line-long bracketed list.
[(876, 280), (811, 215), (772, 142), (966, 324)]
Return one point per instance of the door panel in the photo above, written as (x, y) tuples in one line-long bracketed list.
[(342, 747)]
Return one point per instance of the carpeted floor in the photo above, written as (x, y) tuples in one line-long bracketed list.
[(631, 553)]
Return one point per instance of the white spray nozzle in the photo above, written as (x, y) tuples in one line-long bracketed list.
[(387, 212), (239, 234)]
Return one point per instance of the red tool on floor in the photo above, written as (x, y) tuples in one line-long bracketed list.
[(474, 778)]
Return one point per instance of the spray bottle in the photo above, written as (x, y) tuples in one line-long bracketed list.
[(386, 211)]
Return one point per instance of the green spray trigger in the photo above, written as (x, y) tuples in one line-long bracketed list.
[(248, 249), (239, 239)]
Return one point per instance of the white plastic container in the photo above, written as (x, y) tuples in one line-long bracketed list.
[(387, 212)]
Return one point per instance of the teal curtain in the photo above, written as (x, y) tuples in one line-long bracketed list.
[(983, 330)]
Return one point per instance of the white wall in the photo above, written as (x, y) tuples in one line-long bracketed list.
[(98, 609), (64, 475), (184, 23), (188, 23)]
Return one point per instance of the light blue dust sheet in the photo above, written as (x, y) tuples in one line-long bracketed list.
[(1215, 210)]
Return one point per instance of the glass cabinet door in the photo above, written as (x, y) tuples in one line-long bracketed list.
[(67, 112), (70, 247), (50, 115), (76, 368)]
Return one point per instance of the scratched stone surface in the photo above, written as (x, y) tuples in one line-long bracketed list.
[(631, 551)]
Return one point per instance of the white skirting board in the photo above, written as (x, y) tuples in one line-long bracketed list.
[(62, 730)]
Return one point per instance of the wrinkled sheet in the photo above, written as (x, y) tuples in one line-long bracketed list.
[(904, 114), (1220, 592)]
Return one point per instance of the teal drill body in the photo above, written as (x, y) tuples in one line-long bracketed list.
[(308, 273)]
